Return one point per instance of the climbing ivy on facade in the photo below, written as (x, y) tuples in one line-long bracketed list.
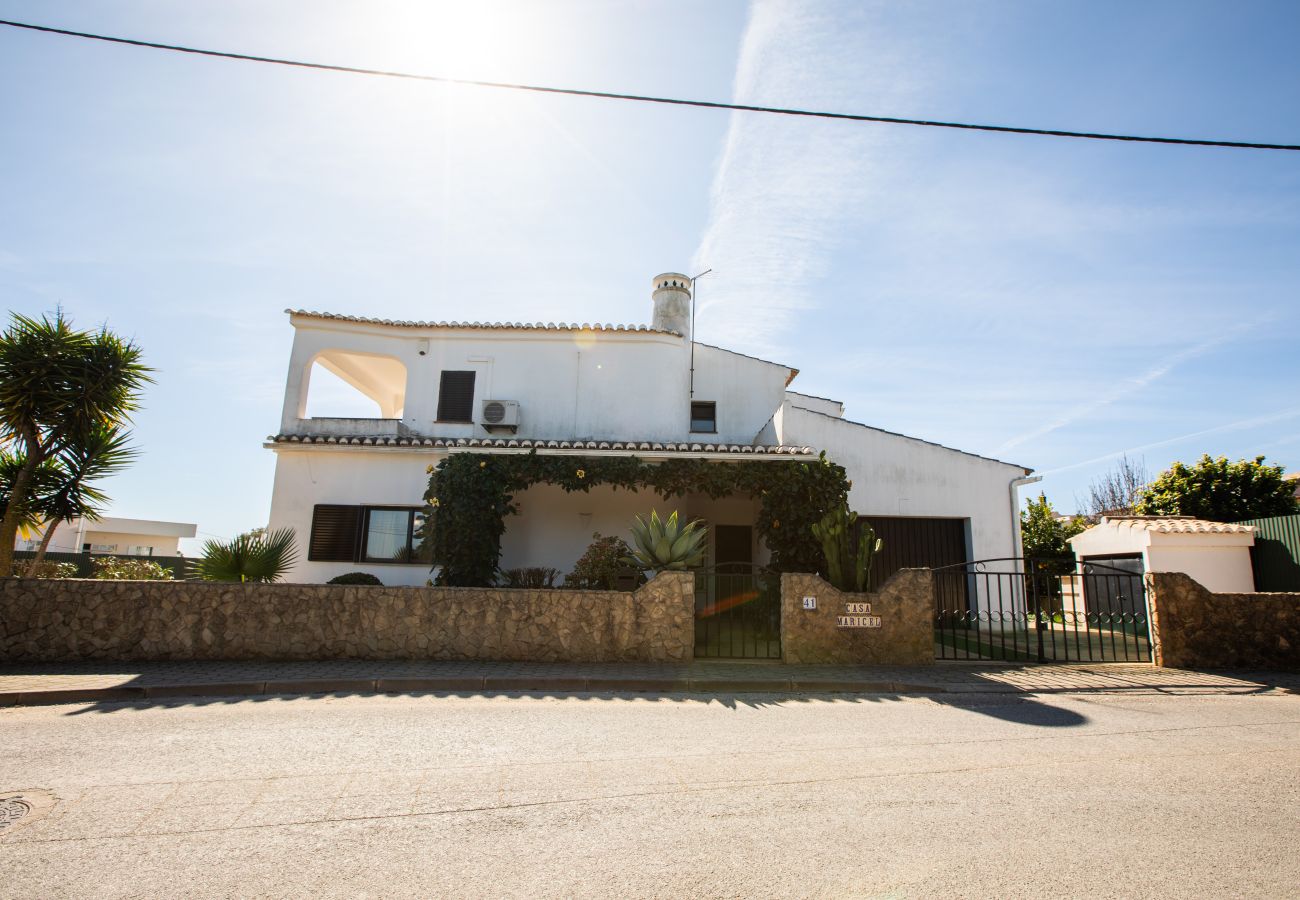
[(470, 495)]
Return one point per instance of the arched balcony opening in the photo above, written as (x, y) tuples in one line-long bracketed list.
[(349, 392)]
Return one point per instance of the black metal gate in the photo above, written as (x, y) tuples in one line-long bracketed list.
[(1040, 610), (737, 612)]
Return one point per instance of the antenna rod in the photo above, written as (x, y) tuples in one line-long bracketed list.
[(693, 280)]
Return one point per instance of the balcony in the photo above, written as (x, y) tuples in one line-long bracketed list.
[(359, 427)]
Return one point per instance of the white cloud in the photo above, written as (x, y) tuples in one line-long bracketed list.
[(1241, 424), (1126, 388), (785, 190)]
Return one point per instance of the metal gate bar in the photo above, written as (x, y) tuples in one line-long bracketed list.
[(737, 612), (1029, 610)]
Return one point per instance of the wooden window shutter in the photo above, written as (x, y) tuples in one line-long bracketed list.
[(335, 530), (456, 397)]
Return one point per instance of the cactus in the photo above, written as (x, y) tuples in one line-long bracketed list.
[(664, 544), (848, 562)]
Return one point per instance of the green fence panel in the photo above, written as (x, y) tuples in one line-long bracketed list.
[(1276, 554)]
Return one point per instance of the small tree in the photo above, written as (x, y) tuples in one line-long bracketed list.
[(1220, 491), (1118, 492), (1044, 534), (57, 385)]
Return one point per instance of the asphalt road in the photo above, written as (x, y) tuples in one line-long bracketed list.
[(1067, 796)]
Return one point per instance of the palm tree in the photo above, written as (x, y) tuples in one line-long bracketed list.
[(46, 477), (102, 452), (57, 385), (253, 556)]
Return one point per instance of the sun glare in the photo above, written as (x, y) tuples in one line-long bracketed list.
[(453, 38)]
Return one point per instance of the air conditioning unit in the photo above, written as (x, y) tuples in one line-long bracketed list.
[(499, 414)]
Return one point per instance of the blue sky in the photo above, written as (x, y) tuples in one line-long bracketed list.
[(1045, 301)]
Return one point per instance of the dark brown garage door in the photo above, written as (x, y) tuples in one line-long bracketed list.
[(910, 543)]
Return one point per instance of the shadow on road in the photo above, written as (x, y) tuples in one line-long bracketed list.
[(1018, 708)]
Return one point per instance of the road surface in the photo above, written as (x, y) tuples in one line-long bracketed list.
[(1077, 795)]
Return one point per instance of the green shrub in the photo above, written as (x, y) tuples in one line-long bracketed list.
[(46, 569), (355, 578), (532, 577), (601, 568), (115, 568)]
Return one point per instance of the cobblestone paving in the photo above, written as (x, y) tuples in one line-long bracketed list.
[(46, 683)]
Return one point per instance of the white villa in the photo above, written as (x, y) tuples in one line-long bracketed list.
[(113, 534), (352, 488)]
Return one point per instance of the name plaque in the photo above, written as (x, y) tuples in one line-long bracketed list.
[(858, 621), (858, 609)]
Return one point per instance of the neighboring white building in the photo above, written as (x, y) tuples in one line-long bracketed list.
[(1216, 554), (124, 537), (353, 488)]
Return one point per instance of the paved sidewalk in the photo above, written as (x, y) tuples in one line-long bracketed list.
[(22, 685)]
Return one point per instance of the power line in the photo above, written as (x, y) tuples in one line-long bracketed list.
[(641, 98)]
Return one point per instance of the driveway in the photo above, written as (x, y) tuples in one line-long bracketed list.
[(972, 795)]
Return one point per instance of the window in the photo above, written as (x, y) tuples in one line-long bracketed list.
[(704, 416), (456, 397), (334, 533), (376, 534)]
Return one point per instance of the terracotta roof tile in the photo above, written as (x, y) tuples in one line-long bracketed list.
[(1177, 525), (493, 326), (528, 444)]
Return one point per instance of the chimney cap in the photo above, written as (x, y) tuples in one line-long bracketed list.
[(672, 280)]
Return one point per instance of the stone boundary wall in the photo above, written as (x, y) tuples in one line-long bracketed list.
[(904, 603), (48, 620), (1193, 628)]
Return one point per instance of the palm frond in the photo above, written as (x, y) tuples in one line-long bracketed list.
[(263, 557)]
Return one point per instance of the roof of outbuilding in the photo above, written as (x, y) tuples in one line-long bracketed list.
[(528, 444), (1176, 525), (491, 326)]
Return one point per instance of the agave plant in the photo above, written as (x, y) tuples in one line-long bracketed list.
[(254, 556), (665, 544), (848, 556)]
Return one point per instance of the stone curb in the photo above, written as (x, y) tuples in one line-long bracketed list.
[(480, 683)]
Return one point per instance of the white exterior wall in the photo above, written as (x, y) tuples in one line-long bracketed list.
[(1220, 569), (163, 545), (554, 528), (816, 404), (569, 384), (306, 477), (600, 385), (894, 475), (745, 390)]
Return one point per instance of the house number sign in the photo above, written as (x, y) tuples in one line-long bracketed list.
[(809, 602)]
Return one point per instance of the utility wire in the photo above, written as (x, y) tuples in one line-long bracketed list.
[(610, 95)]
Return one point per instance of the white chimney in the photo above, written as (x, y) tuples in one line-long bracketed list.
[(672, 300)]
